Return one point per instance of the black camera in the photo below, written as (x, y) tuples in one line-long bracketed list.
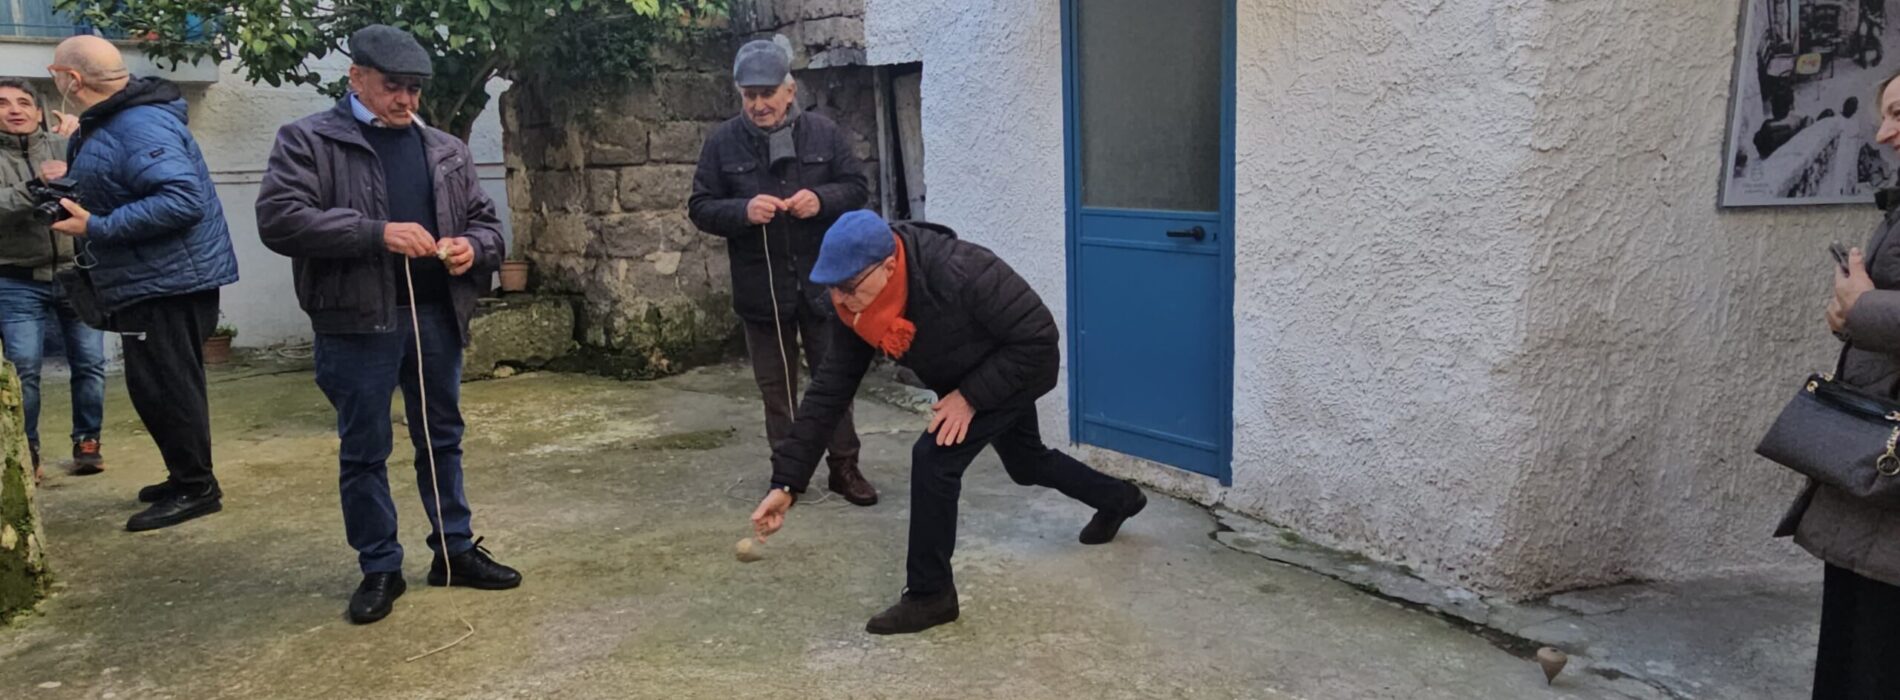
[(46, 196)]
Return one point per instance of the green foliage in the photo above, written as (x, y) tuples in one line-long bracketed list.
[(567, 45)]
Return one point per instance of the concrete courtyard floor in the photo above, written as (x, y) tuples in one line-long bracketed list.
[(621, 503)]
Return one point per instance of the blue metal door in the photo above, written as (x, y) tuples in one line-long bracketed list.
[(1149, 101)]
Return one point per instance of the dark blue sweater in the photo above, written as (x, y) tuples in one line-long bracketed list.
[(411, 194)]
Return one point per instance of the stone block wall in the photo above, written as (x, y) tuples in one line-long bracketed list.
[(23, 574), (822, 33), (598, 187)]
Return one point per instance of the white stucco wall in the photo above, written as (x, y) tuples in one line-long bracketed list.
[(1495, 222), (235, 123)]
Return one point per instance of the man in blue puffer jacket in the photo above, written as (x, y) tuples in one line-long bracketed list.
[(150, 222)]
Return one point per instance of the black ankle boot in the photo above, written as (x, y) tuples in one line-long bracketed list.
[(1105, 525), (375, 597), (473, 569), (182, 504), (916, 613)]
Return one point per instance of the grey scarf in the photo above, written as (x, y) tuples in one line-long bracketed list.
[(780, 145)]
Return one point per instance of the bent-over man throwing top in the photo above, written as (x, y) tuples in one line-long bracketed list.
[(976, 333)]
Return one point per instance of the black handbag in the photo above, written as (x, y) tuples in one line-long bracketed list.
[(1840, 436), (74, 284)]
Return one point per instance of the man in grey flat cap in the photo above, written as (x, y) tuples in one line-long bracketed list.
[(770, 181), (384, 221)]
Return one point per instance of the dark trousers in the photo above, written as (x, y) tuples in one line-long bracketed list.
[(776, 372), (1860, 639), (359, 373), (936, 481), (165, 377)]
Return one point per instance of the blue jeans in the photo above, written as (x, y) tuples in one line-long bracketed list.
[(359, 372), (26, 308)]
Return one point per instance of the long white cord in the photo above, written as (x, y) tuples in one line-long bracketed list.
[(435, 485), (791, 394)]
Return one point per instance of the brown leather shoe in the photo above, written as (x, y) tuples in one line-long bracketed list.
[(848, 482)]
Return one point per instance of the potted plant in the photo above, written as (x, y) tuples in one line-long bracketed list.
[(514, 275), (218, 346)]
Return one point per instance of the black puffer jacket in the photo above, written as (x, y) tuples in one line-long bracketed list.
[(981, 330), (732, 170)]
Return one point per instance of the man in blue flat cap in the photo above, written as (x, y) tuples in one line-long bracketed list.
[(769, 182), (978, 335)]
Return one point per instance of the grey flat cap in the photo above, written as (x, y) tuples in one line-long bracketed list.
[(390, 50), (761, 63)]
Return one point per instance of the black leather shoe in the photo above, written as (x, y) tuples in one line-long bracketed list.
[(474, 568), (177, 507), (1105, 525), (375, 596), (156, 492), (915, 613)]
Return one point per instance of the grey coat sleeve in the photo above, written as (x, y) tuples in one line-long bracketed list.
[(1874, 322), (288, 218)]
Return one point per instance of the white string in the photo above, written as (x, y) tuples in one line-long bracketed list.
[(791, 395), (441, 533)]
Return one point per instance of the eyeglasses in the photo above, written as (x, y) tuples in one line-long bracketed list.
[(851, 287)]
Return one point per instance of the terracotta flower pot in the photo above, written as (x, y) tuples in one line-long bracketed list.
[(218, 350), (514, 275)]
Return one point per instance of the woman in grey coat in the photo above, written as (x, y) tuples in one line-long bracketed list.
[(1860, 542)]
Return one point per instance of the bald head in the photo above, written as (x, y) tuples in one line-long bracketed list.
[(96, 59), (89, 69)]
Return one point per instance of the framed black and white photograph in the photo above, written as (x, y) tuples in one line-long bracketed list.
[(1803, 112)]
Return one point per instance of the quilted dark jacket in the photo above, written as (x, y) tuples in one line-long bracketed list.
[(157, 228), (981, 330)]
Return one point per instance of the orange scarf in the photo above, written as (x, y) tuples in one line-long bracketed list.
[(882, 324)]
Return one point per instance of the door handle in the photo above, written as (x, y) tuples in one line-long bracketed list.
[(1197, 233)]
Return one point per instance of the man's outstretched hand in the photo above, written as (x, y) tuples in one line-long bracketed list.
[(770, 515)]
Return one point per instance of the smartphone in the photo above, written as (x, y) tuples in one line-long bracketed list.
[(1840, 256)]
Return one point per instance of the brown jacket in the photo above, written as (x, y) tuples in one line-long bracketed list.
[(1840, 530)]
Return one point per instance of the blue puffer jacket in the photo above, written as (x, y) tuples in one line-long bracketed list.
[(157, 227)]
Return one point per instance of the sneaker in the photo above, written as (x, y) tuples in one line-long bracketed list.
[(915, 613), (474, 568), (87, 459), (375, 597), (177, 507), (1105, 525), (39, 474)]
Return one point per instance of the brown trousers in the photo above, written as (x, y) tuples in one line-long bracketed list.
[(776, 372)]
